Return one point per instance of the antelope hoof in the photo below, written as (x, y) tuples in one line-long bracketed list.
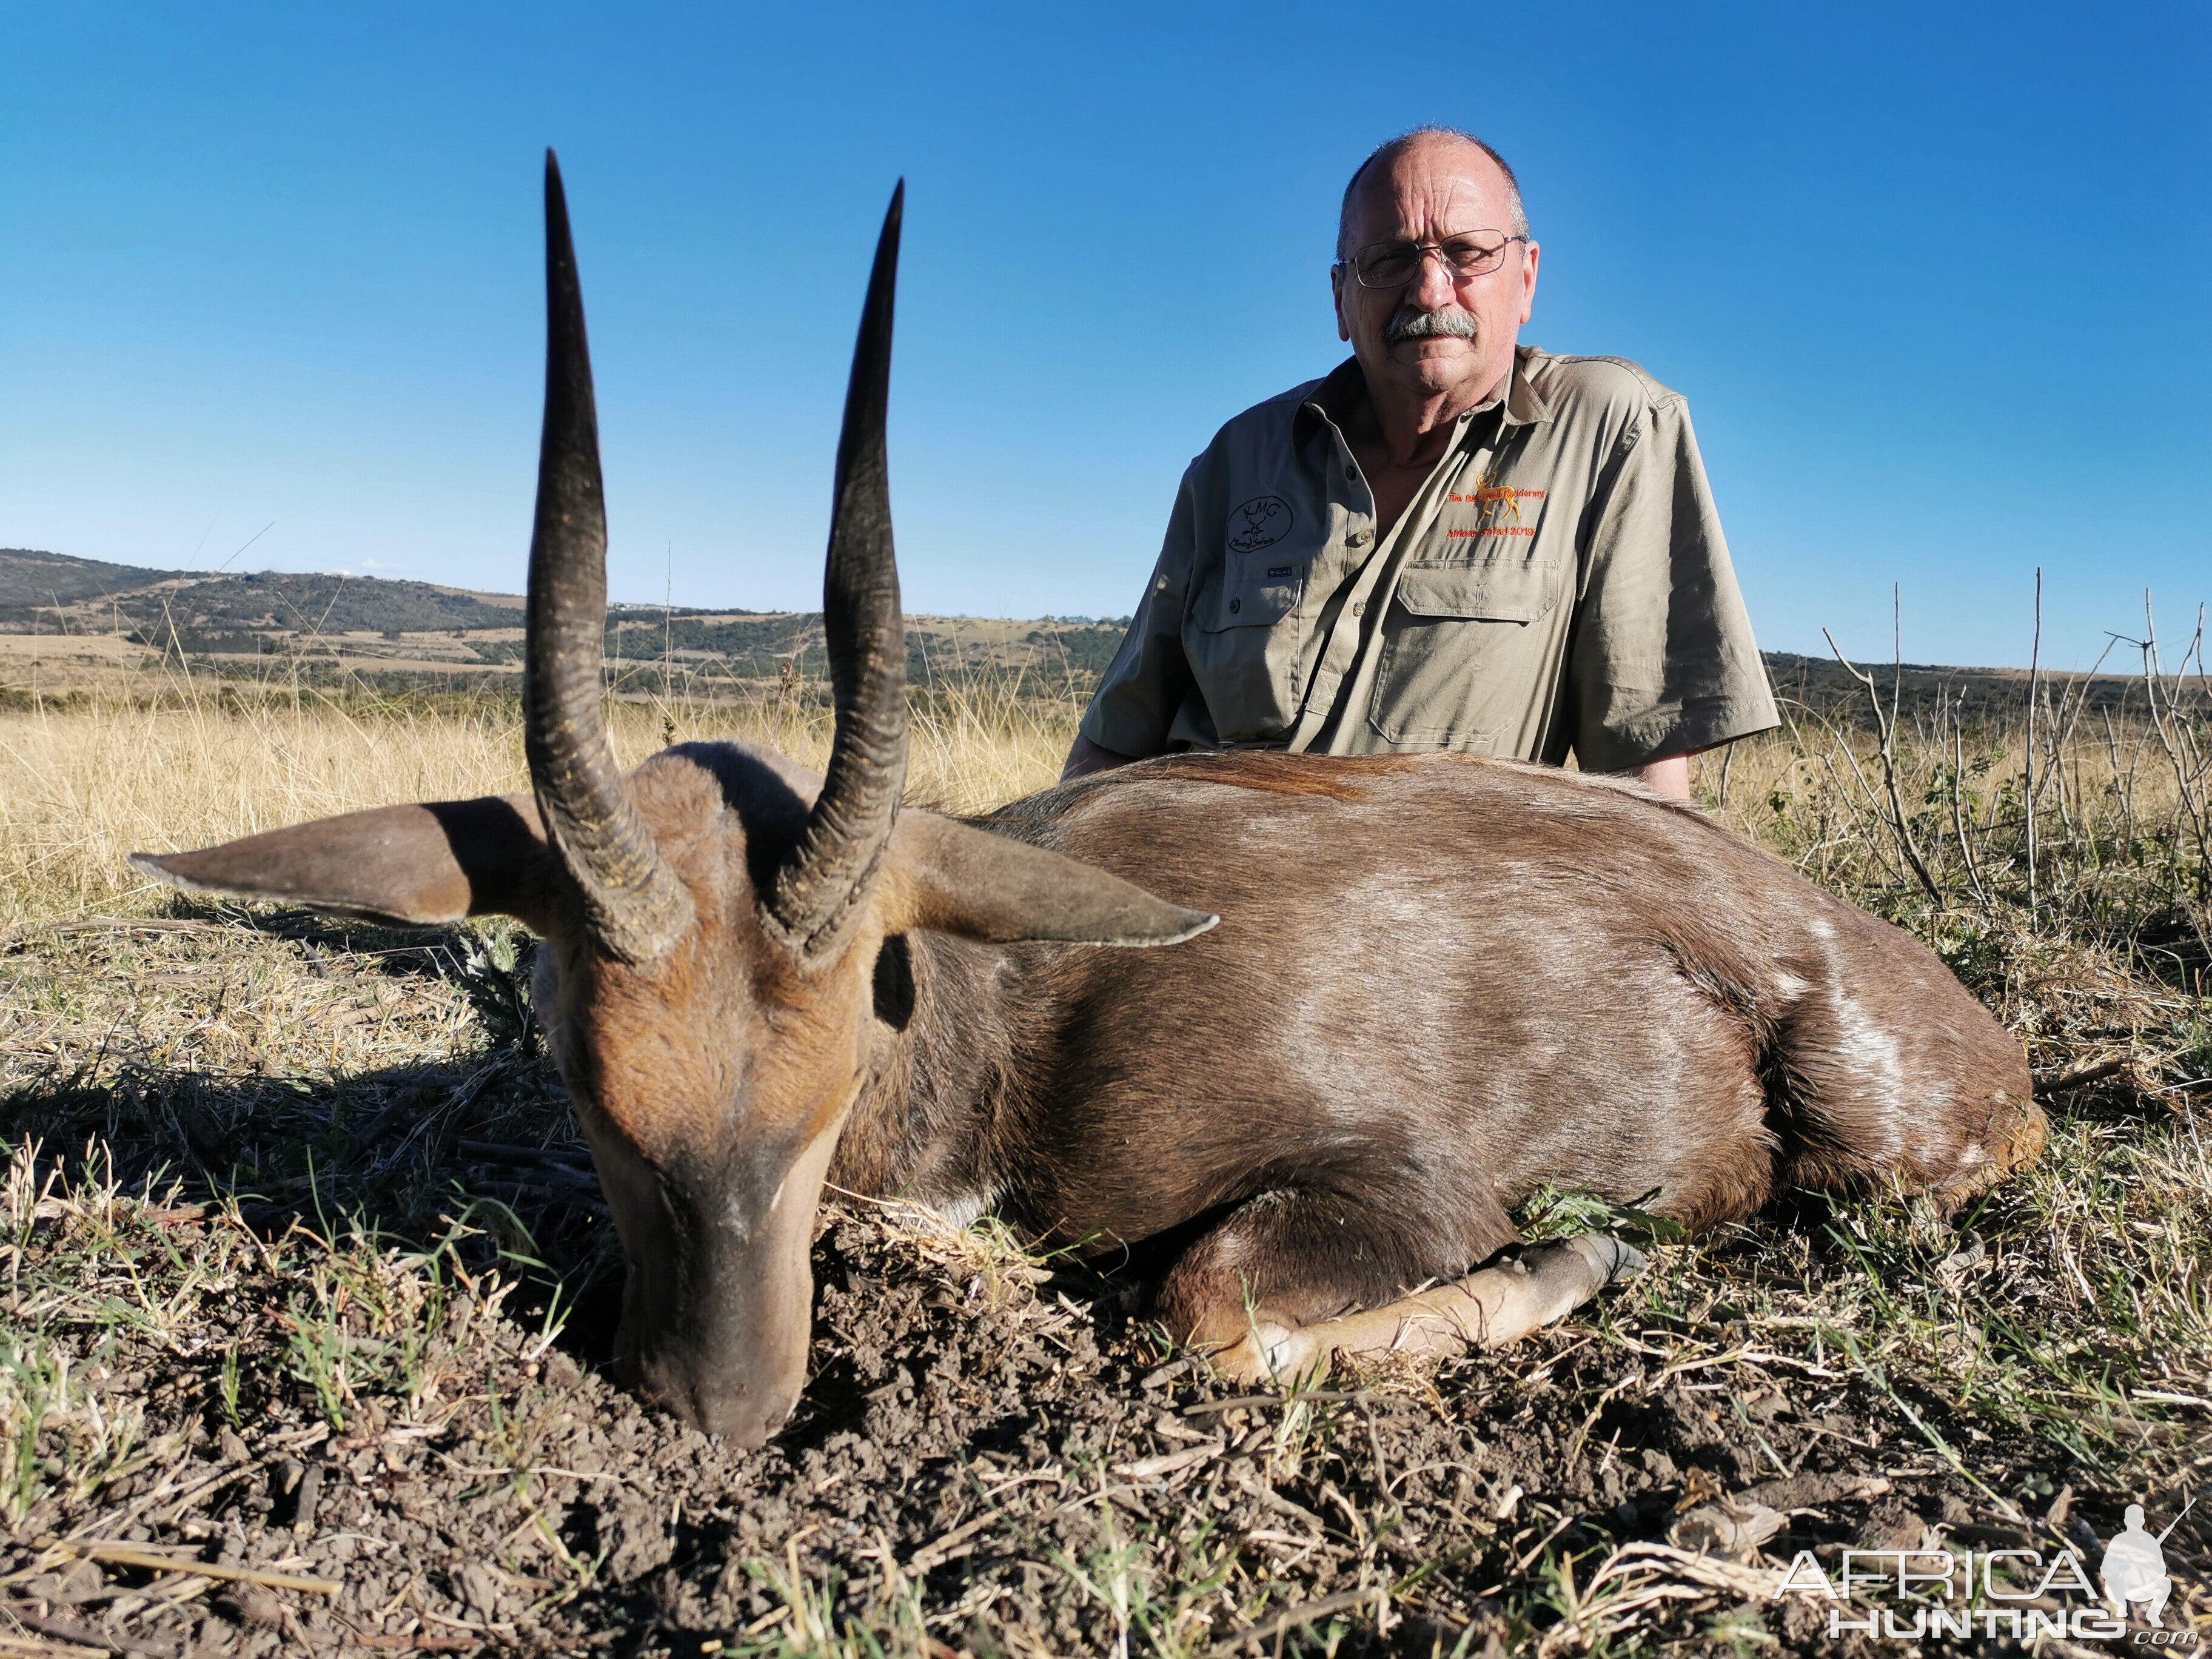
[(1269, 1351)]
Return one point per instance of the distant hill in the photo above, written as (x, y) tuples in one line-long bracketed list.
[(31, 578), (378, 624), (381, 625), (47, 587), (314, 604), (755, 645), (1921, 690)]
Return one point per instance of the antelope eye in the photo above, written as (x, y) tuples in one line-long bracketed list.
[(893, 982)]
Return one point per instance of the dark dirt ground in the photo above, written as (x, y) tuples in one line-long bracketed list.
[(308, 1276)]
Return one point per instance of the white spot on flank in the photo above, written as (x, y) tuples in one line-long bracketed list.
[(962, 1210), (1870, 1052)]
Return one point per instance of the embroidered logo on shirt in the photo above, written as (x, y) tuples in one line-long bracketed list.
[(1277, 573), (1494, 504), (1260, 522), (1504, 500)]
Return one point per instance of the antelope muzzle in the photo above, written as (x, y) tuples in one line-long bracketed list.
[(719, 1298)]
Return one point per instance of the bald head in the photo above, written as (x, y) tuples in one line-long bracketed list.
[(1427, 149)]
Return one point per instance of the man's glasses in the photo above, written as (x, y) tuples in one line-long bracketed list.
[(1393, 265)]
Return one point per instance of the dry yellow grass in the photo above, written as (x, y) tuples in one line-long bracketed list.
[(84, 783), (170, 763)]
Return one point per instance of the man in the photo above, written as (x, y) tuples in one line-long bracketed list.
[(1452, 541)]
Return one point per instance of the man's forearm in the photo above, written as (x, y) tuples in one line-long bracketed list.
[(1086, 757)]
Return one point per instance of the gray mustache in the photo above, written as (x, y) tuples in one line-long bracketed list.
[(1409, 323)]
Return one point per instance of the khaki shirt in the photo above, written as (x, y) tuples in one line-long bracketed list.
[(1559, 584)]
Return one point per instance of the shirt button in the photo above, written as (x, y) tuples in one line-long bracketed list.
[(1359, 538), (1235, 605), (1359, 607), (1352, 475)]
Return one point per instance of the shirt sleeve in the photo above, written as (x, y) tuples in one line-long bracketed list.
[(1150, 678), (1663, 661)]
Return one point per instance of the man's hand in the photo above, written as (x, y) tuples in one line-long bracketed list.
[(1669, 777), (1086, 757)]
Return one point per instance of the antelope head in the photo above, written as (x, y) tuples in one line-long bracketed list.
[(711, 920)]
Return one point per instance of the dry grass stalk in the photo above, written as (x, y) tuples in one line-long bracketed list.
[(127, 1555)]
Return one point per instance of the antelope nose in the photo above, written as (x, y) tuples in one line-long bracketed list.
[(742, 1417)]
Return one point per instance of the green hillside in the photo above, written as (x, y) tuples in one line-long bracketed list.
[(31, 578)]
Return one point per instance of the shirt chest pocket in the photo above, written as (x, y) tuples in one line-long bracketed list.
[(1466, 653), (1511, 587), (1242, 639)]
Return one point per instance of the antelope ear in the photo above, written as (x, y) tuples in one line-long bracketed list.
[(410, 866), (951, 879)]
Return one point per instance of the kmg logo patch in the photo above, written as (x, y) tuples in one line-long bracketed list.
[(1260, 522)]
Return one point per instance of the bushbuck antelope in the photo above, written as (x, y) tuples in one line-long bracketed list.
[(1437, 982)]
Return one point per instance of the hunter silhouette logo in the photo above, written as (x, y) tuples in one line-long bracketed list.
[(2135, 1567), (1260, 522)]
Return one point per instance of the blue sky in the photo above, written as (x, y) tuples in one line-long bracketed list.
[(1934, 278)]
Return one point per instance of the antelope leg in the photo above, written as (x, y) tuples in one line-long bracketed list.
[(1486, 1310)]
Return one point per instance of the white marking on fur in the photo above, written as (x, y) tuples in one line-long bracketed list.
[(964, 1210), (1865, 1045)]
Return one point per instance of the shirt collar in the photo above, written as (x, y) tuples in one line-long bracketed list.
[(1524, 404), (1337, 395)]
